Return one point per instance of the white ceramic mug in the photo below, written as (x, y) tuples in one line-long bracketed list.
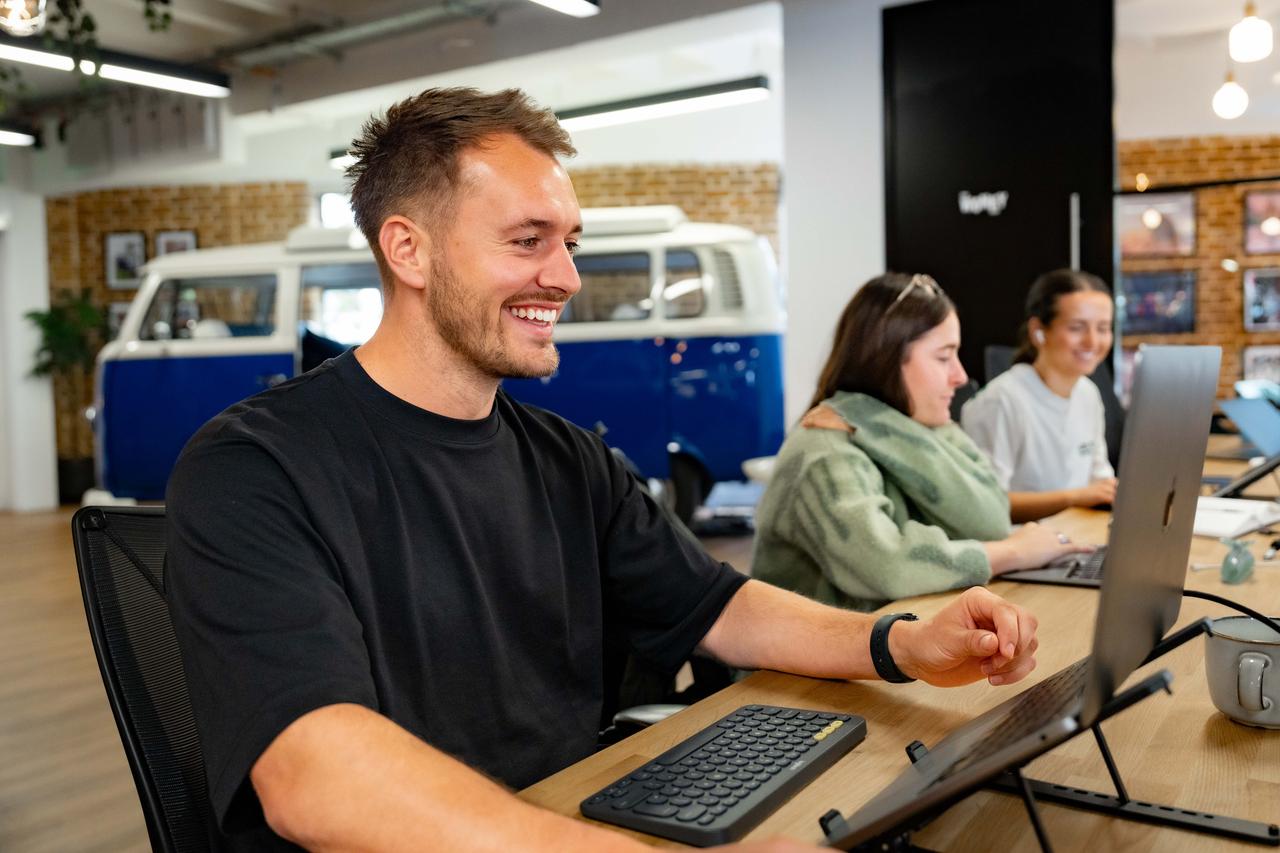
[(1242, 662)]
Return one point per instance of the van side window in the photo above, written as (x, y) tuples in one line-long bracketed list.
[(341, 302), (614, 287), (683, 294), (241, 306)]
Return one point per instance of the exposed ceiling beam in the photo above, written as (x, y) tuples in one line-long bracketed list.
[(184, 14), (329, 41)]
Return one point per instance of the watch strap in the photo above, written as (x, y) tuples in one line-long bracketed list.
[(883, 661)]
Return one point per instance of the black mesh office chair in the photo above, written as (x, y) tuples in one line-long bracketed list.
[(120, 552)]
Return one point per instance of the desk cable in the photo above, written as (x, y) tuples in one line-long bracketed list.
[(1240, 608)]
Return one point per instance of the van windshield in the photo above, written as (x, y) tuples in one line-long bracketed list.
[(341, 302), (240, 306), (614, 287)]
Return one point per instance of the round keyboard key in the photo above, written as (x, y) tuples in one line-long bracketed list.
[(670, 791), (693, 775), (718, 776), (654, 768), (755, 707), (681, 801), (682, 783), (665, 777), (806, 715), (706, 820), (656, 799), (718, 810), (704, 784), (730, 802), (738, 762), (731, 784), (751, 785), (719, 791), (652, 786), (709, 800), (598, 798)]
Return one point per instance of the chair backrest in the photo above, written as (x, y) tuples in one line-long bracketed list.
[(996, 359), (120, 552)]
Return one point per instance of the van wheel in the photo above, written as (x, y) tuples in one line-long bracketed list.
[(690, 485)]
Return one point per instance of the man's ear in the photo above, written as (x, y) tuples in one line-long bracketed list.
[(407, 249)]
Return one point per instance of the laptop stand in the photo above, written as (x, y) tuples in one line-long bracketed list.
[(1121, 805)]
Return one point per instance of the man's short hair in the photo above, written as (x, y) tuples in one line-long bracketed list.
[(407, 161)]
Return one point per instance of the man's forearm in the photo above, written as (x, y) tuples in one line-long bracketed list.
[(346, 778), (764, 627)]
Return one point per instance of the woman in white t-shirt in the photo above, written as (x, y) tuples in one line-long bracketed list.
[(1041, 422)]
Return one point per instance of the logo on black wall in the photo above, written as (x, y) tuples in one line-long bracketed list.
[(975, 204)]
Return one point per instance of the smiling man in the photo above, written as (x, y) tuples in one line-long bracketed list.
[(394, 586)]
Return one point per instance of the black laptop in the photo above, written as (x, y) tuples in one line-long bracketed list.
[(1140, 596), (1158, 416)]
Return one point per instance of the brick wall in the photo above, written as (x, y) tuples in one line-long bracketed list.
[(221, 215), (1219, 232), (743, 194)]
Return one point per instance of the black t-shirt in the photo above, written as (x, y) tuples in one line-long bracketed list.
[(331, 543)]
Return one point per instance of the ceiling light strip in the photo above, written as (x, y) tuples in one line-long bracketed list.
[(125, 68), (732, 93), (14, 137), (576, 8)]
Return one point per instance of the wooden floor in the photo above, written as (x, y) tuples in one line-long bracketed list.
[(64, 782)]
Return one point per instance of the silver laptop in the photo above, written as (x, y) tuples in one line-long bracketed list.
[(1141, 590), (1162, 402)]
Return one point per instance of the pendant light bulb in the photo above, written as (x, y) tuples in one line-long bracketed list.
[(1231, 100), (1251, 38)]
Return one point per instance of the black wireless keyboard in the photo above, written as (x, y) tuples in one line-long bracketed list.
[(716, 785)]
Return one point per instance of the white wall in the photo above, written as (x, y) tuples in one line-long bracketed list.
[(28, 466), (833, 175)]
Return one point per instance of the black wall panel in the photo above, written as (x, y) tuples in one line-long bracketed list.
[(995, 97)]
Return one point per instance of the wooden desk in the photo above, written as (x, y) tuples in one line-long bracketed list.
[(1175, 750)]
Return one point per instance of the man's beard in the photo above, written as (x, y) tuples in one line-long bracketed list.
[(462, 321)]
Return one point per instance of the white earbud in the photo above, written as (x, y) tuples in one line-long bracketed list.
[(1038, 334)]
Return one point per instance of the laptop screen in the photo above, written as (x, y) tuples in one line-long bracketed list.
[(1161, 459)]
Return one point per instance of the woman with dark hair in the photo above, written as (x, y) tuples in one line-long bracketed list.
[(877, 495), (1041, 422)]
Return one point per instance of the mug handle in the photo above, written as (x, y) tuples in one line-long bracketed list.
[(1249, 687)]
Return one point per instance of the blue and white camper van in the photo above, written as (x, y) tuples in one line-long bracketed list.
[(672, 350)]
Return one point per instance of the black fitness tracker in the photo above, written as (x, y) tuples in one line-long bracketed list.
[(880, 657)]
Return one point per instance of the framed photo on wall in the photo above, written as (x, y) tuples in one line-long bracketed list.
[(1158, 303), (1262, 363), (1262, 222), (1157, 225), (124, 255), (116, 312), (1262, 300), (168, 242)]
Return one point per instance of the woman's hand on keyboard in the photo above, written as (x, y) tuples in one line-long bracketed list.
[(978, 635)]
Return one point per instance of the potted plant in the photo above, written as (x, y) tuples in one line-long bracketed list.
[(71, 333)]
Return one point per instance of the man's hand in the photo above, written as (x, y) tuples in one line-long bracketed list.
[(978, 635)]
